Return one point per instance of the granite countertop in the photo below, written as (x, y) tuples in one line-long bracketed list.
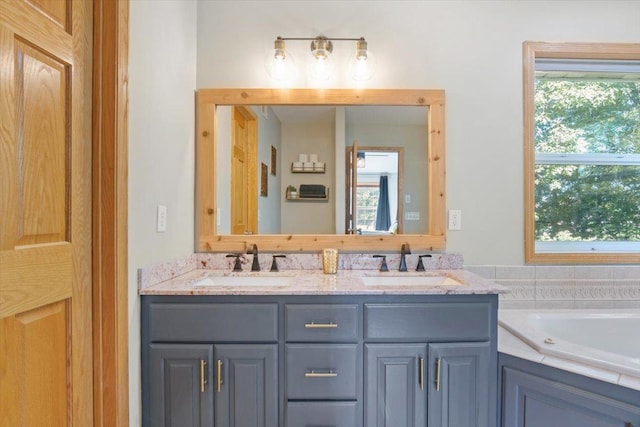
[(314, 282)]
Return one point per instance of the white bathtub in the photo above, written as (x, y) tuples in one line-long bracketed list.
[(608, 339)]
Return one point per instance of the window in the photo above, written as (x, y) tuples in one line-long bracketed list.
[(582, 152), (367, 206)]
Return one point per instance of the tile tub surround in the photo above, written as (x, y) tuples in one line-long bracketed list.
[(160, 272), (562, 287)]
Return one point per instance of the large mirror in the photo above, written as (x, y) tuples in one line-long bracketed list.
[(300, 170)]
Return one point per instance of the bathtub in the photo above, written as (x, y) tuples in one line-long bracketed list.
[(608, 339)]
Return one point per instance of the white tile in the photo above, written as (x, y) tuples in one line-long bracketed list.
[(579, 368), (553, 272), (519, 289), (587, 304), (626, 272), (629, 381), (517, 304), (519, 272), (626, 290), (486, 271), (555, 304), (635, 304), (595, 290), (555, 290), (592, 272)]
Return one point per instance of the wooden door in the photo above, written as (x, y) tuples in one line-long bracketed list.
[(246, 385), (395, 391), (458, 389), (180, 385), (244, 178), (45, 213)]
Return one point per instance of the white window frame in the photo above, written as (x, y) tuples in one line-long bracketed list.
[(569, 252)]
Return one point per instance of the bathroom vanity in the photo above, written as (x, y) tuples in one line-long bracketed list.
[(320, 351)]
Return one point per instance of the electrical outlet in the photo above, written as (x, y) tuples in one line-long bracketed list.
[(161, 222), (412, 216), (407, 198), (455, 219)]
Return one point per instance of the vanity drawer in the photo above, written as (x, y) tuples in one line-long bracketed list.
[(428, 321), (322, 371), (329, 414), (321, 322), (213, 322)]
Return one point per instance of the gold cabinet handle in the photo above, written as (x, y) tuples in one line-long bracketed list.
[(219, 383), (314, 325), (421, 373), (203, 381), (314, 374), (437, 374)]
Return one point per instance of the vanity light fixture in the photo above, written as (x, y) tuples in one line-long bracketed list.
[(280, 64)]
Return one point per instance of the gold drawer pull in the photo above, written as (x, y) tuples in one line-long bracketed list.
[(219, 385), (437, 374), (203, 381), (421, 374), (314, 374), (314, 325)]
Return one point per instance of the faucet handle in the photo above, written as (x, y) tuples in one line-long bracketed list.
[(237, 266), (383, 266), (420, 266), (274, 264)]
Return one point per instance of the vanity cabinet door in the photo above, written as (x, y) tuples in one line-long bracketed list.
[(246, 385), (533, 401), (177, 397), (458, 384), (395, 385)]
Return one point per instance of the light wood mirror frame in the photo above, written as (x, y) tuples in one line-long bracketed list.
[(207, 100)]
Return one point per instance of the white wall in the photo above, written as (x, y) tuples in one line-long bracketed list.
[(162, 78), (472, 49)]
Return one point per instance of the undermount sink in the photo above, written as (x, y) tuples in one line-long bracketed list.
[(403, 280), (244, 281)]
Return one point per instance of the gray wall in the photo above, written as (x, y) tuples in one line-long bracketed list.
[(162, 79), (414, 141)]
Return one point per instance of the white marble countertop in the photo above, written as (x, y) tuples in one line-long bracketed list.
[(314, 282), (514, 346)]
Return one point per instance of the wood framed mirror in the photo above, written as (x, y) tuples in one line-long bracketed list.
[(214, 173)]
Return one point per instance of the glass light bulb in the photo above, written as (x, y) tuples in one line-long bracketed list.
[(362, 66), (280, 64), (321, 68)]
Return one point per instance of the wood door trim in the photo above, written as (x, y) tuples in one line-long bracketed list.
[(109, 201)]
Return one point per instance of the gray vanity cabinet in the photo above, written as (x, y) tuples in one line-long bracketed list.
[(395, 392), (180, 385), (319, 360), (458, 395)]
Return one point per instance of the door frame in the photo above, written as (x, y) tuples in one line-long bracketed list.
[(109, 213)]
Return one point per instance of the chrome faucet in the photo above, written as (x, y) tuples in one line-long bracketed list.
[(403, 253), (255, 264)]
